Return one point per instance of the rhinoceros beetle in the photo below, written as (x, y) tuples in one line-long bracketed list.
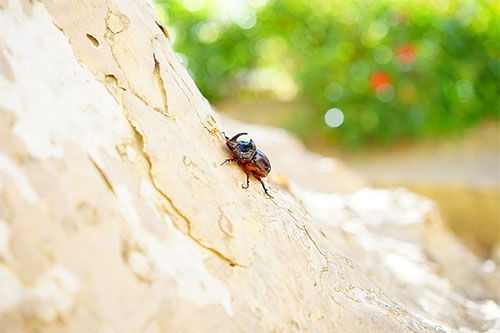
[(252, 160)]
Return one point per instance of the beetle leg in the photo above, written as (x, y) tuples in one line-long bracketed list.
[(265, 189), (248, 181), (229, 160)]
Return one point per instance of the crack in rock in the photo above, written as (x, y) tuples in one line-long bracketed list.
[(160, 85), (172, 206)]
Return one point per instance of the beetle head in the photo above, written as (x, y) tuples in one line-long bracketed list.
[(233, 143), (243, 150)]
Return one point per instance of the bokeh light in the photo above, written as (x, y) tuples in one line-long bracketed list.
[(334, 92), (465, 90), (385, 92), (382, 54), (334, 117)]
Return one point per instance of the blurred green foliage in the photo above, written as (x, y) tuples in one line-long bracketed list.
[(404, 69)]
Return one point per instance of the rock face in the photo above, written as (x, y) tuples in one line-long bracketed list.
[(462, 175), (116, 216)]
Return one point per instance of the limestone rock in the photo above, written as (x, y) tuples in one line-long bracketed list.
[(116, 216)]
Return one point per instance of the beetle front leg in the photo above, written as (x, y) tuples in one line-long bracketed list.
[(265, 189), (248, 181), (229, 160)]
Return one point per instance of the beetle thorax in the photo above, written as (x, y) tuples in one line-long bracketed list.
[(243, 150)]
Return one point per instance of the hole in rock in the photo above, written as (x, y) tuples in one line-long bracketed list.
[(93, 40)]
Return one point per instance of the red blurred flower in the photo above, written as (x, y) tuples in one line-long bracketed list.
[(379, 79), (406, 54)]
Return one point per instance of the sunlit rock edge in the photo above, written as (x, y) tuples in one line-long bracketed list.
[(116, 216)]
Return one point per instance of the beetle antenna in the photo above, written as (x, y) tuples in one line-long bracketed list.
[(237, 136)]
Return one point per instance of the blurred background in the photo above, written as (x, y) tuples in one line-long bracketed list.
[(405, 92)]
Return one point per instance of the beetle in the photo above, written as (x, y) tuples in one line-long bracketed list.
[(252, 160)]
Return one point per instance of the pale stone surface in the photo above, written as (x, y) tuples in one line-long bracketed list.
[(115, 215), (462, 174)]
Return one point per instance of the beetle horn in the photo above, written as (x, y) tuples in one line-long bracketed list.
[(237, 136)]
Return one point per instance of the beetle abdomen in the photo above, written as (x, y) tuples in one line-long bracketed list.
[(262, 162)]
